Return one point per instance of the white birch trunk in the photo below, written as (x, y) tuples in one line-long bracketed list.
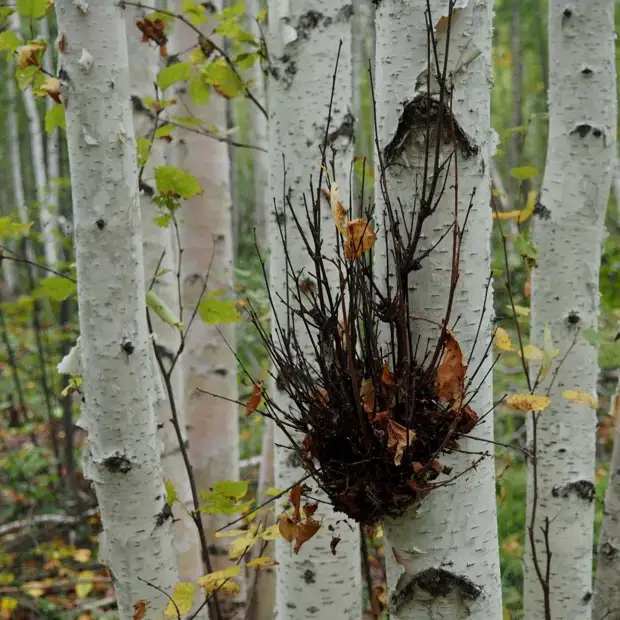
[(209, 364), (160, 255), (303, 46), (47, 219), (123, 453), (568, 234), (606, 600), (616, 188), (454, 530), (259, 133)]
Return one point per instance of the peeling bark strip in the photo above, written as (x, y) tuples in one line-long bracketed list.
[(412, 124), (442, 559), (436, 582), (304, 36), (123, 452), (568, 235)]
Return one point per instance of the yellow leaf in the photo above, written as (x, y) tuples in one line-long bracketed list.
[(230, 533), (34, 588), (549, 352), (262, 562), (529, 207), (240, 546), (51, 87), (528, 402), (359, 239), (85, 583), (502, 340), (581, 398), (82, 555), (7, 603), (183, 596), (532, 353), (339, 213), (6, 578), (221, 579), (271, 533)]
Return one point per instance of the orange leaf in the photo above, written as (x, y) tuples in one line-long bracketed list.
[(399, 438), (287, 527), (305, 531), (139, 610), (359, 239), (310, 509), (450, 380), (386, 375), (255, 399), (295, 497), (339, 213), (367, 395)]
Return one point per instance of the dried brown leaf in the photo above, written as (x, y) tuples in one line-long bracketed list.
[(305, 531), (339, 213), (386, 375), (287, 528), (399, 438), (295, 497), (367, 395), (310, 509), (255, 399), (359, 239), (450, 379), (139, 609)]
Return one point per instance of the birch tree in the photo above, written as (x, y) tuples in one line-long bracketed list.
[(442, 557), (303, 47), (606, 600), (47, 218), (160, 269), (123, 456), (208, 273), (568, 235)]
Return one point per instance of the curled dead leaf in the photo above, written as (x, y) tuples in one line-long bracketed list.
[(367, 396), (305, 531), (255, 398), (450, 379), (139, 609), (310, 509), (386, 375), (359, 239), (30, 54), (399, 438), (295, 497), (339, 213), (51, 87), (287, 528)]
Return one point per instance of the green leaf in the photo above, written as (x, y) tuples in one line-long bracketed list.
[(549, 352), (199, 90), (527, 250), (232, 489), (178, 72), (163, 220), (57, 288), (32, 9), (523, 173), (5, 13), (195, 13), (161, 309), (171, 492), (13, 229), (171, 181), (594, 337), (183, 597), (164, 131), (143, 148), (271, 491), (187, 121), (215, 311), (9, 41), (30, 76), (223, 79), (55, 117), (261, 16)]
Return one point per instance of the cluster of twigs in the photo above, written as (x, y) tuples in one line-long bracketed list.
[(372, 406)]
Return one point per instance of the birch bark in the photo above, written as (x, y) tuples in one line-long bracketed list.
[(123, 455), (568, 235), (606, 600), (47, 219), (303, 46), (453, 534), (209, 363)]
